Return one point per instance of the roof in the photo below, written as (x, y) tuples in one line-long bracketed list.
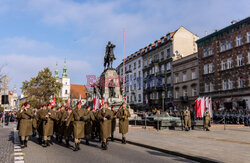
[(223, 30), (78, 90)]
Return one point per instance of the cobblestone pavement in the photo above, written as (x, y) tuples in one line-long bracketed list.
[(116, 152), (6, 144), (231, 145)]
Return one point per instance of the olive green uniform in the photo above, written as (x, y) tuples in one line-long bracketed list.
[(123, 122), (25, 123), (105, 123), (48, 123), (113, 123)]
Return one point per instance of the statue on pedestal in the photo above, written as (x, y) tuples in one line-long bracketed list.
[(109, 55)]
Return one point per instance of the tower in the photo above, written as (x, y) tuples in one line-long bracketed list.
[(56, 74), (65, 91)]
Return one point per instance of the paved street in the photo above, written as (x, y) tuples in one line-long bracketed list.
[(116, 153)]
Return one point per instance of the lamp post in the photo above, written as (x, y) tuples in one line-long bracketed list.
[(163, 96)]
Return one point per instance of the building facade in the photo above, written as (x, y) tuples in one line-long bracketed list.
[(185, 80), (224, 58), (133, 79), (157, 66)]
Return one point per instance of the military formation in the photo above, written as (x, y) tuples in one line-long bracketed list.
[(51, 124)]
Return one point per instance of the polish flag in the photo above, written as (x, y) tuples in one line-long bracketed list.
[(202, 106), (67, 104), (54, 101), (199, 107), (210, 107), (94, 102), (196, 108)]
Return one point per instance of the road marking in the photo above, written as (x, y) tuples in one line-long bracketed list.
[(18, 154)]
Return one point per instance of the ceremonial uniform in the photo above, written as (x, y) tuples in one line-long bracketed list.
[(39, 126), (48, 125), (68, 129), (62, 115), (123, 115), (25, 125), (113, 124), (207, 120), (89, 125), (187, 120), (78, 116), (104, 116)]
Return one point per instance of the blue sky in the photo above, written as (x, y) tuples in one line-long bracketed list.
[(39, 33)]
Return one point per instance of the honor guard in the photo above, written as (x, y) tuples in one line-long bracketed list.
[(187, 119)]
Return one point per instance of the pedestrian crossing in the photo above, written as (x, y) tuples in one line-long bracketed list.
[(18, 154)]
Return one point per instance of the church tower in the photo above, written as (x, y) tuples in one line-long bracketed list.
[(65, 91)]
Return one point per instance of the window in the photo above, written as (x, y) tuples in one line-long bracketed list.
[(223, 65), (239, 60), (224, 85), (210, 68), (193, 75), (229, 44), (134, 76), (210, 50), (205, 53), (238, 40), (139, 64), (184, 77), (153, 70), (248, 57), (206, 69), (135, 65), (163, 80), (194, 92), (168, 66), (222, 46), (176, 78), (139, 96), (240, 83), (162, 68), (177, 94), (206, 87), (230, 84), (145, 63), (211, 87), (129, 68), (168, 52), (150, 60), (66, 91), (156, 69), (162, 55), (229, 63), (169, 94), (248, 36), (185, 92)]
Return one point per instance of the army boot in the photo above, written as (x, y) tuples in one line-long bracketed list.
[(112, 137), (87, 141), (67, 143), (60, 139), (105, 146), (25, 143), (44, 143), (76, 147), (22, 144)]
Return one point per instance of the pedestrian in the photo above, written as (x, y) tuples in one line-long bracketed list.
[(207, 120), (48, 117), (25, 116), (123, 114), (187, 119), (104, 116), (113, 122), (89, 123), (78, 117)]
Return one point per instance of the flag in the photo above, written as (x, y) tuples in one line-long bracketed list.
[(196, 108), (54, 101), (210, 107), (202, 106), (67, 104), (94, 102), (97, 103), (199, 107)]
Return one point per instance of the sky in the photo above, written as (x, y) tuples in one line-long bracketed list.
[(35, 34)]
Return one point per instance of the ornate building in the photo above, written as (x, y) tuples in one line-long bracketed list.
[(224, 58)]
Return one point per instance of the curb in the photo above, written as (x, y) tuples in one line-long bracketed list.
[(189, 157)]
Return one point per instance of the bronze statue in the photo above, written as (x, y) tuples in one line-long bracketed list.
[(109, 55)]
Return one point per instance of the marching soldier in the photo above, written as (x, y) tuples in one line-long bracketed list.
[(62, 115), (104, 115), (25, 116), (187, 119), (123, 114), (68, 130), (207, 120), (39, 126), (113, 122), (89, 124), (78, 117), (48, 116)]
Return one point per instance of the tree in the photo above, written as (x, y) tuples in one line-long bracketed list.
[(42, 88)]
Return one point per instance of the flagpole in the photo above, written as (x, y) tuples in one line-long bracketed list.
[(123, 96)]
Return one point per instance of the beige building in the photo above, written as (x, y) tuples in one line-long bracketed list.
[(185, 80), (157, 66)]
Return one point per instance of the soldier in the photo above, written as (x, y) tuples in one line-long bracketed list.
[(104, 115), (187, 119), (78, 117), (123, 114), (25, 116), (34, 123), (68, 130), (62, 115), (113, 122), (38, 120), (89, 123), (48, 116), (207, 120)]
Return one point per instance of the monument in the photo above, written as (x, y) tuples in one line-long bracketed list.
[(109, 85)]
